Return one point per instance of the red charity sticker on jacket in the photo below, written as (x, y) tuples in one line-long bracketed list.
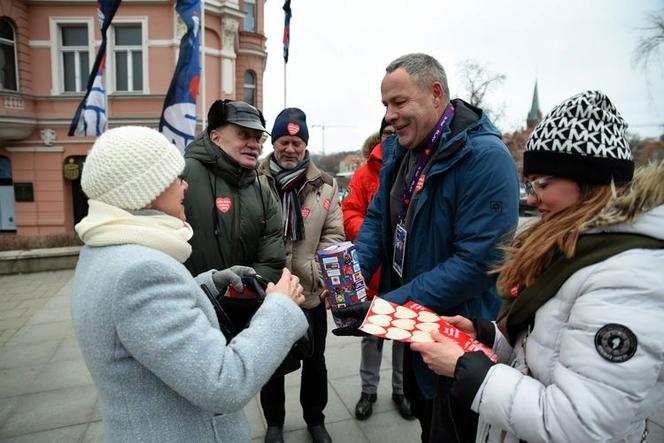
[(305, 212), (326, 203), (420, 183), (293, 128), (224, 204)]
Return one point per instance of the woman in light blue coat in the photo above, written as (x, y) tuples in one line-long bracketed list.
[(147, 331)]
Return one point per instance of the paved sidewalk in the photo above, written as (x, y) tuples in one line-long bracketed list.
[(47, 395)]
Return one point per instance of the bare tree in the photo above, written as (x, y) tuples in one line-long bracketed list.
[(649, 44), (478, 81)]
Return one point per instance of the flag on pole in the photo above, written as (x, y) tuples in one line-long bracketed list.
[(287, 11), (178, 117), (90, 117)]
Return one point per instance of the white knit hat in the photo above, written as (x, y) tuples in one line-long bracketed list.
[(130, 166)]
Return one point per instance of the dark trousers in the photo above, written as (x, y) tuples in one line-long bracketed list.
[(442, 419), (313, 388)]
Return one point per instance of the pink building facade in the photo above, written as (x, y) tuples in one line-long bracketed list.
[(47, 49)]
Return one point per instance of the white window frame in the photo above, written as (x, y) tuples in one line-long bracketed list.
[(255, 29), (57, 74), (253, 86), (14, 43), (110, 54)]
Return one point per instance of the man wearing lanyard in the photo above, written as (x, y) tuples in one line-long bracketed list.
[(448, 198)]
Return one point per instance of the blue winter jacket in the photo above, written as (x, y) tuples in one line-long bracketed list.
[(466, 209)]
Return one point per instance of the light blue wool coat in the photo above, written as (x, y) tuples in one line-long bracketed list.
[(150, 338)]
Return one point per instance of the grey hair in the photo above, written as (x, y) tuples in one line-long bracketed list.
[(424, 68)]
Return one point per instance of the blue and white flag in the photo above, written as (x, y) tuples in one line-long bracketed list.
[(178, 118), (90, 116)]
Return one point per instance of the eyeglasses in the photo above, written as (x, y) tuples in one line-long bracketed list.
[(537, 185)]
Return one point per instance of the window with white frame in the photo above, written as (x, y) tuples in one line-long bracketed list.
[(74, 57), (250, 87), (8, 76), (250, 15), (128, 57)]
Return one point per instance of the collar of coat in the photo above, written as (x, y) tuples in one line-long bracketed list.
[(314, 175), (467, 119), (517, 313), (219, 163)]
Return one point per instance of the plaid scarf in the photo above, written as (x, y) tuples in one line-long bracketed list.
[(289, 182)]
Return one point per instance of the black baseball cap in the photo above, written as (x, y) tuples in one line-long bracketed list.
[(237, 112)]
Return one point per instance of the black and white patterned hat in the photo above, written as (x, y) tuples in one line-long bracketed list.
[(583, 138)]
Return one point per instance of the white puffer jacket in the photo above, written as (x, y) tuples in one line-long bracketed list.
[(557, 387)]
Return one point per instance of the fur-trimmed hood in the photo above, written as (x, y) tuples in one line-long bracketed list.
[(638, 208)]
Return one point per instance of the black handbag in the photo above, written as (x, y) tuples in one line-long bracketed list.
[(235, 310)]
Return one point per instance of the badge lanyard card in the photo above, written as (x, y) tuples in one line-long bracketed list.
[(413, 322), (400, 232)]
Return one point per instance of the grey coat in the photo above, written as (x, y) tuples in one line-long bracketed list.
[(151, 341)]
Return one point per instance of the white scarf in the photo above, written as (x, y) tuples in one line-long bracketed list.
[(109, 225)]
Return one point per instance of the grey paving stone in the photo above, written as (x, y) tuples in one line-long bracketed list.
[(655, 433), (67, 434), (659, 417), (68, 349), (8, 407), (12, 323), (50, 410), (35, 333), (18, 381), (8, 304), (349, 388), (62, 374), (13, 313), (390, 427), (31, 303), (28, 355), (342, 360), (255, 417), (334, 411), (46, 315), (94, 433), (6, 335), (344, 432), (95, 414)]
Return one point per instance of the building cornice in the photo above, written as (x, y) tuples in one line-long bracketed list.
[(253, 51), (35, 149)]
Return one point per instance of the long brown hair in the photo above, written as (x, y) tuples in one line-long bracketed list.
[(539, 244)]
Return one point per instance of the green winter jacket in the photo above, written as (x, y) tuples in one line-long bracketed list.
[(235, 218)]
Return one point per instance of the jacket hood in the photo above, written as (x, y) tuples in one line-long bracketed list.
[(638, 208), (375, 160), (218, 162)]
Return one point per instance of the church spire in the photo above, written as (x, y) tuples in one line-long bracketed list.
[(535, 115)]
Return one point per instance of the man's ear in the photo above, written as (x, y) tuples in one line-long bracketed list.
[(214, 137), (439, 98)]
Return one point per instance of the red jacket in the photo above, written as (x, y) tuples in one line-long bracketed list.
[(362, 187)]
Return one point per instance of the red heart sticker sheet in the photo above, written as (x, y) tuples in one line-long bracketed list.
[(413, 322)]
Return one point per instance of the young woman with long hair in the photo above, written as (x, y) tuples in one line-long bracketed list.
[(579, 337)]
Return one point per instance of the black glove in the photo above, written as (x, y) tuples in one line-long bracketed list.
[(358, 311), (349, 331)]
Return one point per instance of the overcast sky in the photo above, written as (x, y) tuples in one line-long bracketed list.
[(339, 50)]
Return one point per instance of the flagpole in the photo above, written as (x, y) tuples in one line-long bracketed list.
[(202, 77), (285, 65)]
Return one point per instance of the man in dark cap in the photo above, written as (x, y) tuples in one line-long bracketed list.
[(311, 219), (235, 219)]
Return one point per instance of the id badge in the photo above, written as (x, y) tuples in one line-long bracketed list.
[(399, 249)]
